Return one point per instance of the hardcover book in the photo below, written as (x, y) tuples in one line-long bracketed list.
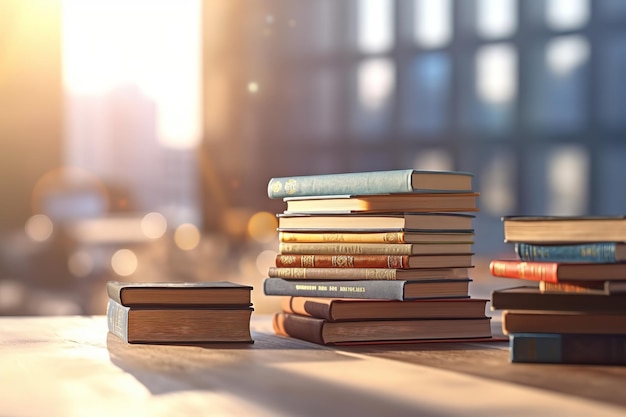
[(558, 272), (531, 298), (178, 325), (443, 250), (563, 322), (600, 252), (326, 332), (375, 237), (373, 182), (584, 349), (381, 203), (359, 274), (368, 261), (431, 222), (547, 229), (374, 289), (337, 309), (584, 287), (179, 293)]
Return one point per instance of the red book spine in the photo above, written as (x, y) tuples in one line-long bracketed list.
[(532, 271), (343, 261)]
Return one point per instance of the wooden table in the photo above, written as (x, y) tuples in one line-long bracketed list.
[(71, 366)]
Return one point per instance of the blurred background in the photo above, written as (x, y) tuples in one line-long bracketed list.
[(137, 137)]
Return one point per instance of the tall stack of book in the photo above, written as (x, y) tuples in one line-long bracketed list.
[(177, 312), (376, 257), (575, 311)]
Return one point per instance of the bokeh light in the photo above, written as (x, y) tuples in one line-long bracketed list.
[(153, 225), (80, 264), (124, 262), (262, 226), (187, 236), (253, 87), (265, 260), (39, 227)]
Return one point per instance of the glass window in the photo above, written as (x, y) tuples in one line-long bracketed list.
[(436, 159), (497, 183), (611, 176), (375, 25), (375, 80), (432, 23), (425, 100), (612, 82), (496, 18), (567, 14)]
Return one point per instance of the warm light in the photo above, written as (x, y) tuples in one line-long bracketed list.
[(153, 225), (39, 227), (496, 67), (266, 259), (124, 262), (253, 87), (375, 23), (376, 82), (80, 264), (235, 221), (187, 236), (262, 226)]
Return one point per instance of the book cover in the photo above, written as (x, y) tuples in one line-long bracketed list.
[(375, 289), (557, 271), (583, 349), (600, 252), (325, 332), (375, 237), (564, 229), (563, 322), (531, 298), (372, 182), (369, 261), (441, 249), (178, 325), (362, 273), (179, 293), (591, 287), (380, 222), (381, 203), (334, 309)]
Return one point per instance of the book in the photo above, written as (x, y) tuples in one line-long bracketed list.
[(367, 261), (374, 289), (325, 332), (434, 202), (178, 325), (440, 249), (532, 298), (583, 349), (563, 322), (584, 287), (372, 182), (564, 229), (557, 271), (600, 252), (375, 237), (179, 293), (356, 274), (337, 309), (382, 222)]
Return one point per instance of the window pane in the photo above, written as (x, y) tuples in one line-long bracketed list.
[(612, 81), (612, 173), (425, 101), (567, 14), (433, 23), (496, 18), (498, 183), (310, 27), (558, 85), (375, 25), (612, 9), (375, 87), (433, 159)]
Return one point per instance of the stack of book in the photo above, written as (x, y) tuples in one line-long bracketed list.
[(175, 312), (575, 311), (376, 257)]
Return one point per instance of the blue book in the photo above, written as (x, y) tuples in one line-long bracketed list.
[(589, 349), (602, 252), (368, 183)]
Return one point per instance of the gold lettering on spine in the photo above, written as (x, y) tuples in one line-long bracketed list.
[(291, 186), (391, 237), (307, 261), (288, 260), (342, 261), (395, 262)]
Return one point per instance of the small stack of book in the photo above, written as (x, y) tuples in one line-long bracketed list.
[(177, 312), (576, 310), (376, 257)]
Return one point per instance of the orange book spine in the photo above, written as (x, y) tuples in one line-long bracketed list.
[(532, 271), (310, 237), (343, 261)]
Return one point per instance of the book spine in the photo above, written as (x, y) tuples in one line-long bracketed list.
[(579, 288), (306, 307), (345, 248), (333, 273), (342, 261), (568, 348), (593, 252), (364, 183), (383, 237), (387, 290), (303, 328), (532, 271), (117, 319)]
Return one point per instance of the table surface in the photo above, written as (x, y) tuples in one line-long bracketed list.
[(71, 366)]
